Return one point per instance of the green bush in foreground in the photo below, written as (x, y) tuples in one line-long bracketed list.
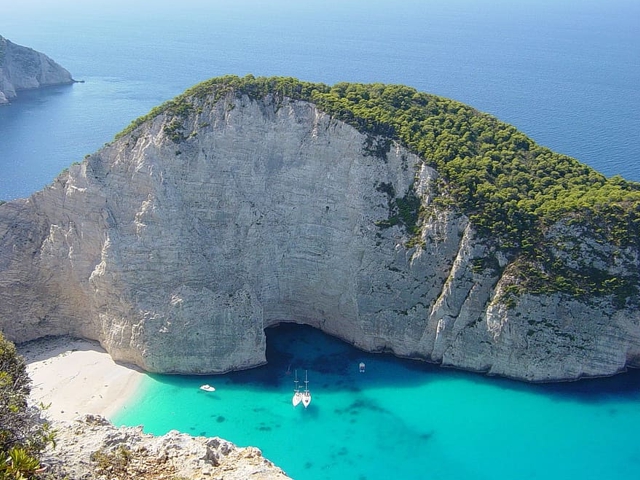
[(23, 434)]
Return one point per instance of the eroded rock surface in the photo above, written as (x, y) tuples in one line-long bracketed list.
[(91, 448), (178, 244)]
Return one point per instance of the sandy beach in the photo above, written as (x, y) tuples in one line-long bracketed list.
[(76, 377)]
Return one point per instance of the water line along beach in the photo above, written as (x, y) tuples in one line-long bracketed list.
[(76, 376)]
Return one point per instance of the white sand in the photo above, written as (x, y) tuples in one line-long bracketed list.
[(77, 377)]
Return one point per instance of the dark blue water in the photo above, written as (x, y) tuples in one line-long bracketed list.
[(566, 72)]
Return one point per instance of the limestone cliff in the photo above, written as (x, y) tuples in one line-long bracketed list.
[(22, 68), (176, 245)]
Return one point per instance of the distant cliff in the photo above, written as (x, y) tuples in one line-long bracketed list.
[(22, 68), (397, 221)]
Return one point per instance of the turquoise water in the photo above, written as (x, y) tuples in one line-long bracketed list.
[(401, 419)]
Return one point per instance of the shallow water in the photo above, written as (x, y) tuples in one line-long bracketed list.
[(401, 419)]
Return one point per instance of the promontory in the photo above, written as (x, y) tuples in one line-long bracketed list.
[(22, 68), (395, 220)]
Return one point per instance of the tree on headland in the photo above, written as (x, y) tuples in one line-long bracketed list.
[(512, 190)]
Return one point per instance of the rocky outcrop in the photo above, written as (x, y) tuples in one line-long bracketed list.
[(178, 244), (22, 68), (90, 448)]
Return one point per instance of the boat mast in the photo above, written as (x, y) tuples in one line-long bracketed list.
[(297, 396), (306, 395)]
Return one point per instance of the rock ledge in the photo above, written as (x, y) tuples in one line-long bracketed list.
[(91, 448)]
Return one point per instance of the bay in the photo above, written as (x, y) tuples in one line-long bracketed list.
[(400, 419), (565, 72)]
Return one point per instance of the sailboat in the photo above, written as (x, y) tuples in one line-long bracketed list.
[(306, 395), (297, 396)]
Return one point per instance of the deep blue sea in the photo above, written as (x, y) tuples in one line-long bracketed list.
[(565, 72)]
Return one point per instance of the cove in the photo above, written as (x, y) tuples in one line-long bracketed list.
[(400, 418)]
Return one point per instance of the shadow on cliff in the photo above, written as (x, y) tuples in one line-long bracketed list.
[(49, 347), (37, 97), (291, 346), (622, 386), (333, 365), (330, 364)]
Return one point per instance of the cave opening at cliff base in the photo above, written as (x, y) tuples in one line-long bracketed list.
[(297, 347)]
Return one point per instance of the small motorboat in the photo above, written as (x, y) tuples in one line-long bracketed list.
[(361, 367), (207, 388)]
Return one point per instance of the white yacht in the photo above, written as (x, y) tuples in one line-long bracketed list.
[(306, 395), (297, 396)]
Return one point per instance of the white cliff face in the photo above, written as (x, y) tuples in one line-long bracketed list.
[(177, 256), (22, 68)]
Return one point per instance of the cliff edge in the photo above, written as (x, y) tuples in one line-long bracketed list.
[(246, 203), (90, 447), (23, 68)]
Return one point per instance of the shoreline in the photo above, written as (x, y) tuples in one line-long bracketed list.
[(77, 376)]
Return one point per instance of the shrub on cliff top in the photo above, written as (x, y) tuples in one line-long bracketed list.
[(511, 189)]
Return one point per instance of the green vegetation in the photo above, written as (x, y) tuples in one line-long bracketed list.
[(511, 189), (403, 211), (115, 463), (23, 435), (174, 131), (179, 107)]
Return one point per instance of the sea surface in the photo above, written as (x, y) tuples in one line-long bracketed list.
[(565, 72), (401, 419)]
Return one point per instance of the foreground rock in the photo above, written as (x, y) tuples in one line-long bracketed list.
[(179, 243), (22, 68), (90, 448)]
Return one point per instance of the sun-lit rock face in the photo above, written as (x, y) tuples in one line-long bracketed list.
[(90, 447), (179, 243), (22, 68)]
